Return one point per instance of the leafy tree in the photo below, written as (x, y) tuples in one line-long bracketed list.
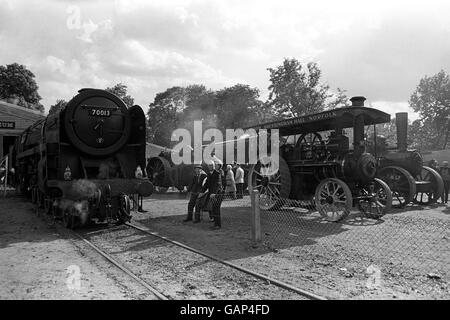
[(431, 99), (163, 115), (17, 85), (199, 105), (296, 90), (237, 106), (120, 90), (59, 105)]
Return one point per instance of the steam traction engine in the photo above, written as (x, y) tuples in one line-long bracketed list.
[(317, 163), (85, 161), (164, 174), (403, 170)]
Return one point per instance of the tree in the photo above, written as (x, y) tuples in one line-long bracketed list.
[(431, 99), (237, 106), (58, 106), (17, 85), (120, 90), (163, 115), (296, 90)]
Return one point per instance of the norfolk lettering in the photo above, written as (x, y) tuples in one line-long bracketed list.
[(301, 120)]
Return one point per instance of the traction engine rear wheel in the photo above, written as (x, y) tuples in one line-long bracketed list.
[(401, 183), (431, 194), (333, 199)]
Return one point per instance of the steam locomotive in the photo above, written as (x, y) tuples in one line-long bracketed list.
[(84, 162)]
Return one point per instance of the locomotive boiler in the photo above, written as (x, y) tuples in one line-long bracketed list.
[(317, 162), (84, 162), (403, 170)]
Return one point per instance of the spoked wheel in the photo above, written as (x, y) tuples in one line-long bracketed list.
[(124, 209), (69, 218), (379, 199), (34, 195), (272, 180), (333, 199), (401, 183), (41, 199), (48, 205), (430, 186), (158, 170)]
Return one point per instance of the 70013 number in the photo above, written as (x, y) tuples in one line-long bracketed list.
[(100, 112)]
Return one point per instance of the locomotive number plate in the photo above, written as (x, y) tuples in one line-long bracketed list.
[(99, 112)]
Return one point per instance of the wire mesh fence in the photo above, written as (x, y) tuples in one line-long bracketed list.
[(403, 254)]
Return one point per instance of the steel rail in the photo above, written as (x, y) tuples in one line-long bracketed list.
[(278, 283), (108, 257)]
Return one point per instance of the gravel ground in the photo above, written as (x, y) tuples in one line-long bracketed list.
[(405, 255), (179, 273), (36, 262)]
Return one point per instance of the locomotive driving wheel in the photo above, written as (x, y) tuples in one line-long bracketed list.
[(401, 183), (124, 209), (429, 186), (69, 218), (272, 180), (333, 199), (376, 199)]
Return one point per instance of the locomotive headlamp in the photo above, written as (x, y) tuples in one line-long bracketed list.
[(68, 174)]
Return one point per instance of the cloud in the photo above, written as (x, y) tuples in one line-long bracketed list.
[(376, 49), (392, 107)]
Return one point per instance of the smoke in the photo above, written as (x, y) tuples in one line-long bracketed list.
[(82, 189), (81, 206), (77, 198)]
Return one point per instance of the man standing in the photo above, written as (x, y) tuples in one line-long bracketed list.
[(195, 188), (212, 194), (445, 174), (239, 178)]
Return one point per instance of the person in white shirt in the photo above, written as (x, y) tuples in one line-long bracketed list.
[(239, 180)]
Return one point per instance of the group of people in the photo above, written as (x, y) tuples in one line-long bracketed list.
[(444, 171), (208, 189)]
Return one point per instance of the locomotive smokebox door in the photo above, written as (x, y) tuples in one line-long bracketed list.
[(97, 122)]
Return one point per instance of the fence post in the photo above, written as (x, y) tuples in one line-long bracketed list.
[(256, 217)]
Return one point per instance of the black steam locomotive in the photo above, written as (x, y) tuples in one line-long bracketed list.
[(83, 163)]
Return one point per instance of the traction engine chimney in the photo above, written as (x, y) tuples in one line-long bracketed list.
[(401, 121)]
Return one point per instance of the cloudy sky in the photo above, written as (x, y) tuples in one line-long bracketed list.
[(379, 49)]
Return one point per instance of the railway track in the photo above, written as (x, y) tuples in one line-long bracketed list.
[(275, 282), (158, 292), (124, 269)]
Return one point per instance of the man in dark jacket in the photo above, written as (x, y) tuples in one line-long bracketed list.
[(195, 188), (212, 194), (445, 174)]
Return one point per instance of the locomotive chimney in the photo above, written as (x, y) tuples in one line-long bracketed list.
[(358, 101), (401, 121)]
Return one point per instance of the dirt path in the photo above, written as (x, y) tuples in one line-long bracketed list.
[(37, 263), (405, 255)]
